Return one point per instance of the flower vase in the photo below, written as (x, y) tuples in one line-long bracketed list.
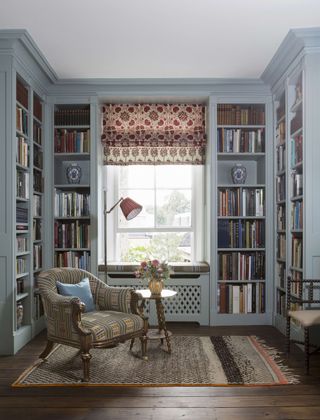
[(155, 286)]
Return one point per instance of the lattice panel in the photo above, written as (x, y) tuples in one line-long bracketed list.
[(187, 301)]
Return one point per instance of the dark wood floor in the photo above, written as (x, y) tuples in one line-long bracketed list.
[(300, 401)]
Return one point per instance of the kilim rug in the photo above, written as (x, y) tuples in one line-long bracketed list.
[(194, 361)]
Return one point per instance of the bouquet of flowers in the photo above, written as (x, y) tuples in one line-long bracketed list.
[(153, 269)]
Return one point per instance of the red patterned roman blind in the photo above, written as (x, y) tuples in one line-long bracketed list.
[(153, 134)]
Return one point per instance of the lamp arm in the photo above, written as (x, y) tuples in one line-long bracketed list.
[(113, 207)]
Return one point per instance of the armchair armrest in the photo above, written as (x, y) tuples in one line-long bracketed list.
[(63, 315), (114, 298)]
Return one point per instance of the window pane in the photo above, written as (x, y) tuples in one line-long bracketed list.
[(145, 218), (174, 176), (136, 176), (173, 208), (168, 246)]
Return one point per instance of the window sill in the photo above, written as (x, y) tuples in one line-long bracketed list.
[(184, 267)]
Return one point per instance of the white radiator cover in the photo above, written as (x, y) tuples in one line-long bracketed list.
[(190, 304)]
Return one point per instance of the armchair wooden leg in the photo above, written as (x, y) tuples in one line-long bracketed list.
[(306, 349), (86, 356), (288, 335), (47, 350), (144, 341)]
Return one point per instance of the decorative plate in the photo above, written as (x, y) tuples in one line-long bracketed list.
[(74, 173), (239, 173)]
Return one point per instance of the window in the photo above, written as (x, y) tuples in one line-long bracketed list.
[(170, 225)]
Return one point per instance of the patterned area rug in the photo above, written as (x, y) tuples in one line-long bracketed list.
[(195, 361)]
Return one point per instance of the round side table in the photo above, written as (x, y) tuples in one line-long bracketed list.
[(161, 332)]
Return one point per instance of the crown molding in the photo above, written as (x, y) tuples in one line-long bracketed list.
[(10, 40), (296, 43)]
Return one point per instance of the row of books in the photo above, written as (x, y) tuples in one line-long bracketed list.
[(22, 93), (240, 140), (22, 244), (72, 117), (21, 214), (296, 150), (22, 156), (297, 252), (281, 109), (281, 158), (241, 266), (281, 188), (281, 246), (241, 234), (296, 122), (297, 184), (230, 114), (36, 205), (244, 202), (243, 299), (37, 133), (296, 285), (20, 286), (73, 259), (281, 218), (37, 230), (37, 256), (38, 158), (281, 272), (71, 235), (22, 120), (21, 265), (38, 182), (281, 133), (71, 204), (38, 310), (66, 141), (297, 215), (22, 184), (281, 303)]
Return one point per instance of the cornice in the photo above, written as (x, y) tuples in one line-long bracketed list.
[(296, 43), (9, 39)]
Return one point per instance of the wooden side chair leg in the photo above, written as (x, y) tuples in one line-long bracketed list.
[(306, 349), (288, 335)]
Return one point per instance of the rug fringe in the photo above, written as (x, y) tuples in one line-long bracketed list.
[(278, 357)]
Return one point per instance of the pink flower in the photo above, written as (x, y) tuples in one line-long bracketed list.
[(155, 263), (143, 264)]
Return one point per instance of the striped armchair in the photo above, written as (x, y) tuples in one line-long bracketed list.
[(116, 317)]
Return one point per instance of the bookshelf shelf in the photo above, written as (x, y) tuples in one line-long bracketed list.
[(21, 296), (297, 198), (297, 132), (296, 105), (72, 186)]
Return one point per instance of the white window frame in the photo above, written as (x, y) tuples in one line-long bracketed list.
[(111, 185)]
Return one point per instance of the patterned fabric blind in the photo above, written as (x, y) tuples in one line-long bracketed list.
[(153, 134)]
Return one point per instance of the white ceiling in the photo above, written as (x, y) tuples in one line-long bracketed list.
[(158, 38)]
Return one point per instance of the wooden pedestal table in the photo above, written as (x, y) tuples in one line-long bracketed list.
[(161, 333)]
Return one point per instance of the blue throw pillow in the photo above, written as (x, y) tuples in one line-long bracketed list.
[(81, 290)]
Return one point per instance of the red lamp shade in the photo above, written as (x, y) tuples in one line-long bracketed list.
[(130, 208)]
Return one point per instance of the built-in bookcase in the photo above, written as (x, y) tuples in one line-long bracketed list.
[(72, 143), (28, 316), (37, 203), (23, 278), (296, 181), (241, 213), (281, 167), (289, 199)]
